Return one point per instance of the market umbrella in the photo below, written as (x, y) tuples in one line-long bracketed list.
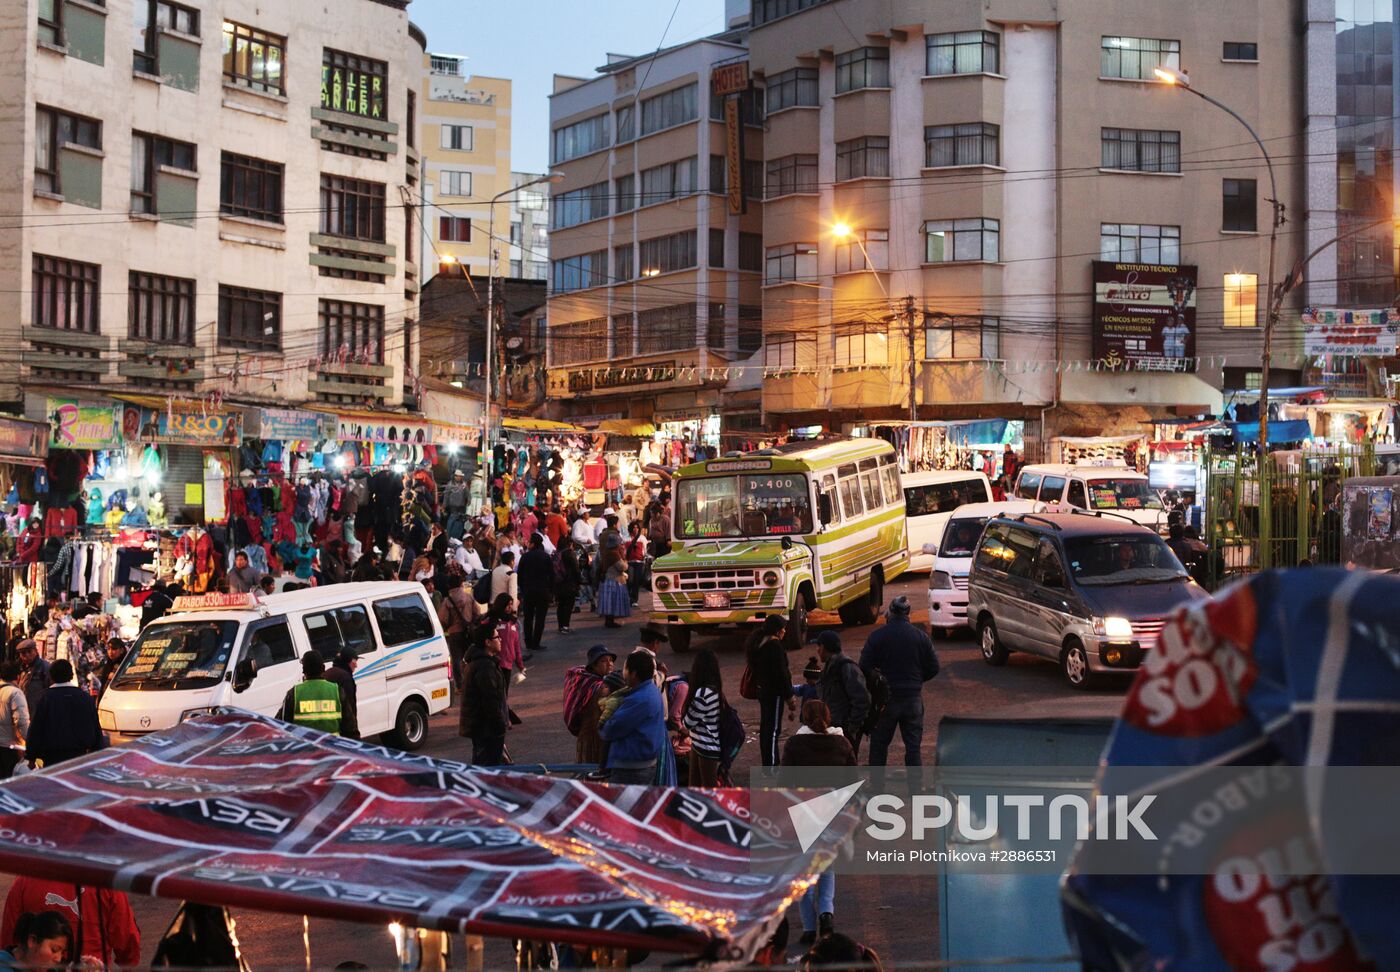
[(242, 810)]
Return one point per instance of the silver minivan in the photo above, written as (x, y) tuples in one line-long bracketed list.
[(1089, 591)]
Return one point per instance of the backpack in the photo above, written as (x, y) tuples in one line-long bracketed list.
[(561, 575), (731, 737), (481, 590), (879, 688)]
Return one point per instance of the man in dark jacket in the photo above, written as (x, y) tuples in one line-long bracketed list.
[(904, 655), (157, 603), (773, 680), (342, 674), (483, 714), (534, 577), (34, 676), (842, 687), (64, 726)]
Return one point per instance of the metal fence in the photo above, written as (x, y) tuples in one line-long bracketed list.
[(1279, 511)]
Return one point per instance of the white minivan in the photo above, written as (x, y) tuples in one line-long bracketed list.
[(244, 651), (1060, 487), (930, 498), (947, 583)]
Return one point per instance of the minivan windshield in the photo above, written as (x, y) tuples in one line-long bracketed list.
[(1127, 559), (766, 504), (960, 537), (1122, 494), (178, 655)]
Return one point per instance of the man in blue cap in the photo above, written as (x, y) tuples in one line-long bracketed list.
[(903, 654)]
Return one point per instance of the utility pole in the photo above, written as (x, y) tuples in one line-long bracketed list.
[(913, 360)]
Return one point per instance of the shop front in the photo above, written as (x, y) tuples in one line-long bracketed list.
[(976, 444)]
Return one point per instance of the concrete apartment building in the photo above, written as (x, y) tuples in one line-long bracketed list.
[(227, 195), (655, 286), (529, 228), (986, 153), (465, 125)]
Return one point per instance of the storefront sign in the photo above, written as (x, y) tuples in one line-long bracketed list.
[(181, 423), (447, 433), (26, 440), (730, 78), (346, 85), (734, 157), (386, 429), (1172, 475), (739, 465), (289, 424), (1145, 316), (73, 425), (1351, 333)]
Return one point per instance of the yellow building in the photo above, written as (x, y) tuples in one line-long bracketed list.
[(464, 123)]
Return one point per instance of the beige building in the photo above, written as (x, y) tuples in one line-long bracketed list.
[(220, 209), (465, 125), (942, 178), (654, 283)]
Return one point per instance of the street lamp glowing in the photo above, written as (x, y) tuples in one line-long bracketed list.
[(1172, 76), (841, 231), (448, 258)]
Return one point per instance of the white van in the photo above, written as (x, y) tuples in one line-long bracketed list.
[(930, 498), (947, 583), (244, 651), (1060, 487)]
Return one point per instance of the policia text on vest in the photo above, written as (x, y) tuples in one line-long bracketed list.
[(313, 702)]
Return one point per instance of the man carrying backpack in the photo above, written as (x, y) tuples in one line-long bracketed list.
[(902, 654), (842, 687)]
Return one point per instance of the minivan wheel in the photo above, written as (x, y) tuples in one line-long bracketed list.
[(993, 651), (410, 728), (1074, 662)]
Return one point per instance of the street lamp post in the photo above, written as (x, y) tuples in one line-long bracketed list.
[(1180, 79)]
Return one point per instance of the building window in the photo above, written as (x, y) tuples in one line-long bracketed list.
[(623, 269), (250, 319), (579, 206), (457, 229), (579, 341), (150, 153), (751, 252), (862, 343), (766, 10), (753, 177), (790, 351), (66, 295), (750, 106), (791, 89), (160, 309), (622, 336), (974, 143), (150, 17), (455, 137), (666, 329), (850, 256), (515, 268), (792, 261), (51, 21), (531, 199), (864, 67), (716, 249), (715, 327), (254, 59), (515, 233), (1136, 150), (352, 208), (626, 191), (626, 124), (669, 181), (666, 254), (581, 138), (580, 272), (1139, 243), (1241, 300), (863, 158), (1240, 205), (357, 329), (52, 130), (454, 183), (354, 85), (967, 52), (445, 65), (671, 108), (411, 119), (250, 187), (790, 174), (1238, 51), (750, 328), (1135, 58), (962, 240), (962, 338)]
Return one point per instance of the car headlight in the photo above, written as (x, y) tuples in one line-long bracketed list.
[(940, 580), (107, 719), (1114, 629), (661, 582), (191, 713), (770, 578)]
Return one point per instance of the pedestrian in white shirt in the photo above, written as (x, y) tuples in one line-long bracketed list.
[(582, 531), (464, 553), (503, 580), (506, 541)]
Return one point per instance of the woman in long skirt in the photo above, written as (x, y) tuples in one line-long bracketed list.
[(613, 600)]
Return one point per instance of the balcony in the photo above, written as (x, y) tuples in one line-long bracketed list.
[(352, 383), (156, 363), (69, 356)]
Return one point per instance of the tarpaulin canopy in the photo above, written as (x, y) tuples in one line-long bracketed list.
[(1292, 430), (525, 423), (242, 810)]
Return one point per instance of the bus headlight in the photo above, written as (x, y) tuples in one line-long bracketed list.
[(661, 582), (940, 580), (770, 578)]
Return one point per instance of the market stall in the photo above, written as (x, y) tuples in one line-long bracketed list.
[(978, 445)]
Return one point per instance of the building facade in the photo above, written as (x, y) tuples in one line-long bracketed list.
[(529, 227), (964, 202), (465, 126), (219, 209), (655, 279)]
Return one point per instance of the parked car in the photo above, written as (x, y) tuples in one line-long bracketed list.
[(1059, 487), (952, 561), (929, 499), (1089, 591)]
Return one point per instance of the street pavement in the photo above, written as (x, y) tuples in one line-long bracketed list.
[(898, 917)]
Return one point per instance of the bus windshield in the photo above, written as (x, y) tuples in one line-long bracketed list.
[(765, 504), (1122, 494), (178, 655)]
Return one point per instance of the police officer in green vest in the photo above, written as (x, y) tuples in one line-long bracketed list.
[(314, 701)]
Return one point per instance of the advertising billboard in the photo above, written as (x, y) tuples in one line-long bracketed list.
[(1145, 316)]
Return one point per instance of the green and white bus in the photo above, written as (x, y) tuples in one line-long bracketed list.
[(786, 531)]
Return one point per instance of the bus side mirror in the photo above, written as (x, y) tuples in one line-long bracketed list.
[(824, 510), (787, 543), (243, 674)]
